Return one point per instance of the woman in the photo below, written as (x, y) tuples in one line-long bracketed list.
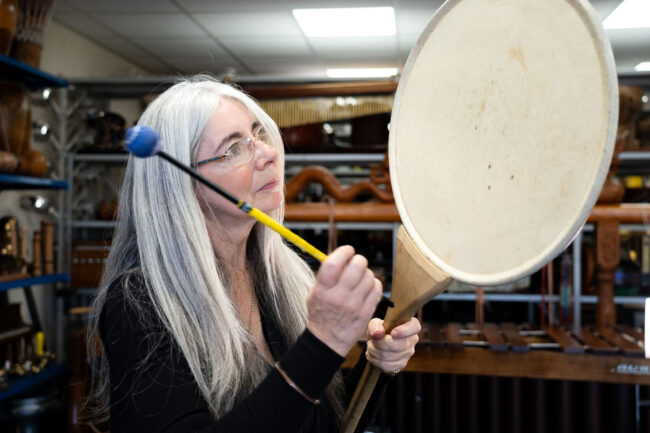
[(208, 321)]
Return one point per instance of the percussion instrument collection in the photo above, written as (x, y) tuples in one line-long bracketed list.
[(500, 137), (22, 25), (21, 350), (21, 346), (13, 250)]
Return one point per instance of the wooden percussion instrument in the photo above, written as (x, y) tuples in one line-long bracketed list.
[(33, 163), (15, 118), (501, 136), (34, 17), (8, 22)]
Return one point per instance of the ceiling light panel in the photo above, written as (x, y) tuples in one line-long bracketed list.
[(355, 47), (344, 22), (631, 14)]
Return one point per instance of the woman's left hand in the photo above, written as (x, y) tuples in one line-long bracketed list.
[(391, 352)]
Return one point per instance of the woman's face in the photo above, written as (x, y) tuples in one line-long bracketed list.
[(259, 181)]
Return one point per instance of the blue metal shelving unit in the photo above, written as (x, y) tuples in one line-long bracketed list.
[(32, 281), (34, 79), (13, 70), (20, 384), (11, 181)]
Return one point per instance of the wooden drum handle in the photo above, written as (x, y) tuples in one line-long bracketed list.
[(416, 281)]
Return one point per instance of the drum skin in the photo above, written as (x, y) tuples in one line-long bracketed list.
[(501, 134)]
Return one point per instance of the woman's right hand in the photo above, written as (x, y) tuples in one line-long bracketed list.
[(342, 301)]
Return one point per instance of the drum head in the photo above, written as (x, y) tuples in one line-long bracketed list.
[(502, 134)]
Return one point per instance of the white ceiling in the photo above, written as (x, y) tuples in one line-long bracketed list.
[(260, 38)]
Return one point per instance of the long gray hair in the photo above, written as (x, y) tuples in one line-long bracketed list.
[(161, 235)]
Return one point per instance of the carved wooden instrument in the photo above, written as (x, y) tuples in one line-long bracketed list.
[(501, 135)]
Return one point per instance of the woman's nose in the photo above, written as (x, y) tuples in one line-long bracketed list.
[(265, 154)]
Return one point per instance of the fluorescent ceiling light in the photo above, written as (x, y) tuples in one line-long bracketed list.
[(343, 22), (643, 66), (362, 73), (631, 14)]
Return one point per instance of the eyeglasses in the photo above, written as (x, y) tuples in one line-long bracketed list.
[(239, 152)]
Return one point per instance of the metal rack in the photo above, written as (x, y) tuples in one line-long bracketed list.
[(11, 69)]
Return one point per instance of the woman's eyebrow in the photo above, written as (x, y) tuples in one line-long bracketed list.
[(228, 139), (234, 136)]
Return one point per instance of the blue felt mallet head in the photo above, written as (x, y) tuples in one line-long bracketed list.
[(142, 141)]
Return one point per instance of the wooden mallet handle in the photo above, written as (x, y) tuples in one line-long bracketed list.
[(416, 281)]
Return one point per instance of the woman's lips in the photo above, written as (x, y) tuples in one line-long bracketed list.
[(269, 185)]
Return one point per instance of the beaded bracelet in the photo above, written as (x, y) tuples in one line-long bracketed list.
[(294, 386)]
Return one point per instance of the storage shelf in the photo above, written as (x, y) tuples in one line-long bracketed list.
[(495, 297), (333, 158), (341, 226), (13, 70), (621, 300), (293, 158), (12, 181), (640, 228), (101, 157), (633, 163), (634, 156), (21, 384), (92, 224), (342, 172), (532, 297), (26, 282), (321, 158)]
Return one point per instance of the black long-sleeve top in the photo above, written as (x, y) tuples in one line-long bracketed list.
[(153, 389)]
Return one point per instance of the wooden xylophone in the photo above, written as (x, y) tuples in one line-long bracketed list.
[(593, 353)]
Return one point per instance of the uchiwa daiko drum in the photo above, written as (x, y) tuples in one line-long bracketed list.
[(501, 135)]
